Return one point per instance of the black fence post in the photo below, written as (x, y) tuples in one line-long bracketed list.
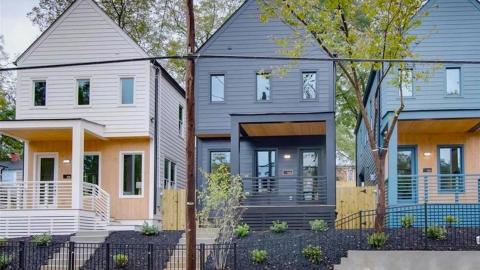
[(71, 255), (360, 215), (425, 225), (107, 256), (150, 256), (202, 256), (21, 255), (234, 256)]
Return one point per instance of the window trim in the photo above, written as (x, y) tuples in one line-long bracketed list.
[(211, 75), (316, 85), (120, 176), (181, 130), (120, 78), (216, 150), (413, 82), (99, 154), (169, 169), (89, 92), (445, 82), (446, 191), (259, 72), (33, 93)]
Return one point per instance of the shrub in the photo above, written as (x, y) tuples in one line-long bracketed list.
[(258, 256), (3, 241), (5, 260), (120, 260), (312, 253), (450, 220), (42, 240), (242, 230), (377, 240), (407, 221), (279, 226), (148, 229), (436, 232), (318, 225)]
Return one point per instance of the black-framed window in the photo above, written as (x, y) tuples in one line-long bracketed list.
[(406, 82), (91, 168), (169, 174), (265, 170), (180, 120), (132, 173), (83, 92), (39, 93), (128, 90), (263, 86), (453, 81), (309, 85), (450, 168), (217, 88), (219, 158)]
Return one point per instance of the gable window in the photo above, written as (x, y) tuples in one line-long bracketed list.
[(128, 91), (217, 88), (453, 81), (83, 92), (263, 86), (450, 168), (309, 85), (39, 93), (406, 79), (91, 168), (180, 120), (219, 158), (169, 174), (132, 174)]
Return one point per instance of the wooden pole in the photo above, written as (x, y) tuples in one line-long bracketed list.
[(190, 213)]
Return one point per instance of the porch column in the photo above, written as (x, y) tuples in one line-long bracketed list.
[(235, 147), (392, 168), (26, 161), (331, 160), (77, 165)]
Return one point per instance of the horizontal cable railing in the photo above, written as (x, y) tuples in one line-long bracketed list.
[(288, 190), (36, 195), (97, 200)]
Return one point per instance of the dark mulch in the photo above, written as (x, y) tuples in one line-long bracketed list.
[(34, 256), (136, 246)]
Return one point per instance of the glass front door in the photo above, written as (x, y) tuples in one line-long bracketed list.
[(46, 177), (310, 166), (406, 172), (265, 170)]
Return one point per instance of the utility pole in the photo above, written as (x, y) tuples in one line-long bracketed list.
[(190, 218)]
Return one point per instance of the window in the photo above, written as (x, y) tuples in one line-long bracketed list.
[(128, 92), (263, 86), (39, 93), (309, 85), (219, 158), (91, 168), (169, 174), (83, 92), (450, 168), (132, 174), (453, 81), (180, 120), (265, 170), (217, 88), (406, 80)]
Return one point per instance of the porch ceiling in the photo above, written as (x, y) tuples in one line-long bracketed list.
[(284, 129), (439, 126)]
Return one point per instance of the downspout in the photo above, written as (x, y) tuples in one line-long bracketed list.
[(155, 144)]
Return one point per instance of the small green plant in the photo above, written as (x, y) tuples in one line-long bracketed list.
[(258, 256), (318, 225), (242, 230), (279, 226), (450, 220), (436, 232), (5, 260), (3, 241), (120, 260), (148, 229), (42, 240), (407, 221), (312, 253), (377, 240)]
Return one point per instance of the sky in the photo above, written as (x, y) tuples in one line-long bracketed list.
[(17, 30)]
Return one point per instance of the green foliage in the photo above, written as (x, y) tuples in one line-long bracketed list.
[(3, 241), (318, 225), (377, 240), (42, 240), (258, 256), (450, 220), (5, 260), (407, 221), (279, 226), (149, 230), (436, 232), (242, 230), (312, 253), (120, 260)]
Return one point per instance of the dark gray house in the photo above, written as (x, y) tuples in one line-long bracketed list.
[(276, 130)]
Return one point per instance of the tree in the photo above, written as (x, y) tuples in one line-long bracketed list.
[(158, 26), (371, 29)]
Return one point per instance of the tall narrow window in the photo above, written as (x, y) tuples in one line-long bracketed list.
[(406, 82), (132, 176), (453, 81), (309, 85), (263, 86), (128, 91), (39, 93), (451, 169), (91, 168), (169, 174), (219, 158), (265, 170), (217, 88), (180, 120), (83, 92)]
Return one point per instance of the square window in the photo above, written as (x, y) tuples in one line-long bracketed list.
[(406, 82), (309, 85), (39, 93), (219, 158), (132, 176), (83, 92), (263, 86), (217, 88), (453, 81), (128, 92)]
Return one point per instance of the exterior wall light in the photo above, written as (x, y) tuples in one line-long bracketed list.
[(427, 154), (287, 156), (66, 161)]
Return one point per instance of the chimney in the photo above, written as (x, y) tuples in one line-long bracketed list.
[(14, 157)]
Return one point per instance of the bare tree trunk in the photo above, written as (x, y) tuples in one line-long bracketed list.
[(381, 191)]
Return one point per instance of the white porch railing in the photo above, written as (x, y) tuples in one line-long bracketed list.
[(96, 200)]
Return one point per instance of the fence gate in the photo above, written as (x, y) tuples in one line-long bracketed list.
[(351, 200), (173, 209)]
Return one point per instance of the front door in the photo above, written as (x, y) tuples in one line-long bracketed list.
[(406, 173), (265, 165), (46, 176), (310, 167)]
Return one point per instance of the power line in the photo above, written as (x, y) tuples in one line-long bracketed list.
[(248, 57)]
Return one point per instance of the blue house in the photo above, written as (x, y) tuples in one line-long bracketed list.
[(275, 130), (434, 153)]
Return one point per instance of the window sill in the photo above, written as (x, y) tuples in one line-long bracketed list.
[(309, 100), (39, 107), (453, 96), (126, 105), (82, 106), (131, 196), (263, 101)]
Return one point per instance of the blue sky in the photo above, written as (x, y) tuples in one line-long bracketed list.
[(16, 28)]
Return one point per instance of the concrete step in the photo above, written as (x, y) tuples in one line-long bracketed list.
[(92, 233), (88, 239)]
